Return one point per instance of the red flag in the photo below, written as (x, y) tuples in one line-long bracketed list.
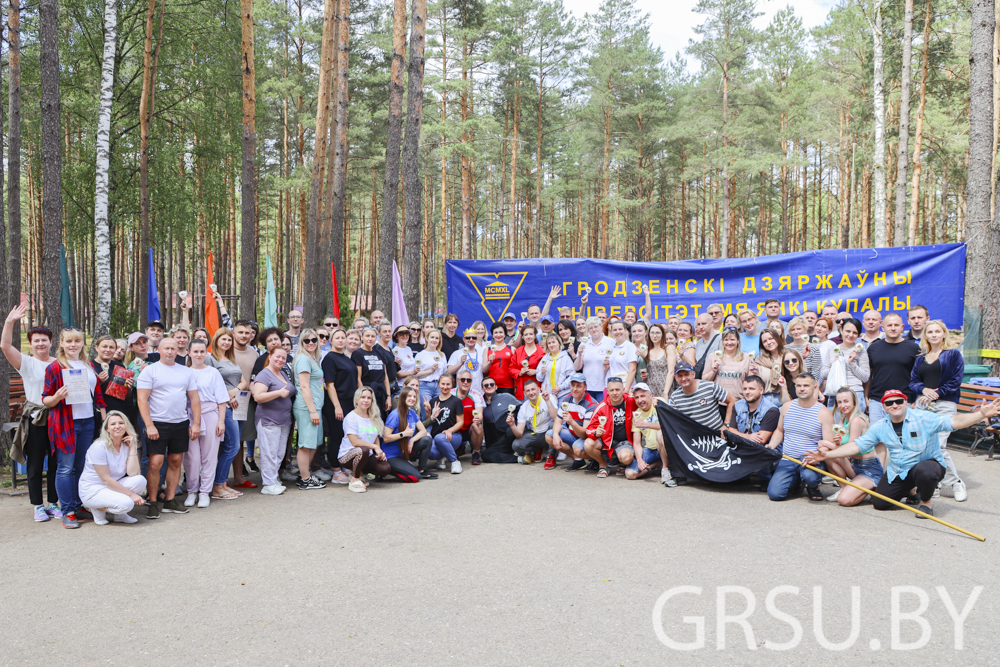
[(211, 308), (336, 296)]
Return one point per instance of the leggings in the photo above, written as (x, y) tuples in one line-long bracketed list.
[(38, 451), (403, 470), (360, 460), (421, 450)]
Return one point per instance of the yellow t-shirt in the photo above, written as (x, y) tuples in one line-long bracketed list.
[(648, 434)]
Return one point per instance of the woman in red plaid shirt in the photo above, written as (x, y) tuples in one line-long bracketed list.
[(71, 427)]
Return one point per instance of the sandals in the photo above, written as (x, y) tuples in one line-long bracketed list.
[(602, 473), (231, 490), (225, 497), (814, 494), (245, 484)]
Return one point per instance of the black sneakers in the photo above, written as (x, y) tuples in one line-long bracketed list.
[(311, 483), (175, 506), (578, 464)]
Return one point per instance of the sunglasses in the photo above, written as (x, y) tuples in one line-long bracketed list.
[(893, 401), (840, 321), (791, 362), (310, 340), (329, 324), (471, 337), (464, 380), (489, 386), (323, 336), (417, 330)]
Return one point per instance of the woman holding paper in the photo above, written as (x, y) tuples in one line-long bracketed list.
[(223, 359), (71, 393)]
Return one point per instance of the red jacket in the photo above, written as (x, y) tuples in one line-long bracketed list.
[(62, 435), (516, 364), (604, 410), (500, 368)]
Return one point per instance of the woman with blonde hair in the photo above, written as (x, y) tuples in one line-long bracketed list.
[(308, 404), (555, 368), (812, 358), (223, 359), (936, 381), (202, 457), (686, 346), (71, 427), (729, 365), (430, 364), (361, 448), (850, 423), (591, 355), (111, 482)]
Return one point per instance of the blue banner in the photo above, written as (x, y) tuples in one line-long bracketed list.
[(855, 280)]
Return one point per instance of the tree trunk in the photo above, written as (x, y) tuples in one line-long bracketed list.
[(724, 241), (879, 239), (52, 213), (466, 103), (919, 136), (14, 161), (412, 188), (394, 137), (899, 223), (982, 253), (312, 293), (339, 165), (102, 240), (147, 80), (248, 176)]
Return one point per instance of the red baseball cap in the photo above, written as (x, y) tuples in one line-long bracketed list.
[(893, 393)]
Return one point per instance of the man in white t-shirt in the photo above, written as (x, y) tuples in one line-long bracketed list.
[(164, 390), (469, 358), (36, 444)]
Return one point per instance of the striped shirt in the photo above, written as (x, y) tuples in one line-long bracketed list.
[(802, 429), (701, 405)]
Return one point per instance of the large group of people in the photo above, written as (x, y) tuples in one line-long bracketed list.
[(178, 419)]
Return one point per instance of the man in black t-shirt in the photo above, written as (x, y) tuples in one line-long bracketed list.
[(891, 360), (388, 358)]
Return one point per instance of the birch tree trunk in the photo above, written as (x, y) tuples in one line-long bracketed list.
[(919, 134), (147, 80), (102, 239), (978, 260), (14, 159), (902, 158), (878, 162), (412, 187), (48, 37), (248, 177), (394, 136)]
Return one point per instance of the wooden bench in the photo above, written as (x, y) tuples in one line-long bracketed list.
[(972, 397)]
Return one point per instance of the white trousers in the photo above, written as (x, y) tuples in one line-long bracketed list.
[(113, 501), (271, 440)]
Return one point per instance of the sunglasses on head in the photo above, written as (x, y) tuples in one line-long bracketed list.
[(72, 329), (893, 401), (310, 340)]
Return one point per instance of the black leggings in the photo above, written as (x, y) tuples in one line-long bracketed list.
[(36, 450), (403, 470), (420, 450)]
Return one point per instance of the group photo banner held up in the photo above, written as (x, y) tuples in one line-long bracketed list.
[(855, 280)]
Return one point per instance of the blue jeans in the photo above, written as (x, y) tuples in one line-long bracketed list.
[(227, 451), (69, 467), (444, 447), (788, 479), (875, 411), (650, 456), (568, 437), (428, 391), (765, 473)]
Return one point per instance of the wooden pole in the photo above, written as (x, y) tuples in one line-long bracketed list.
[(888, 500)]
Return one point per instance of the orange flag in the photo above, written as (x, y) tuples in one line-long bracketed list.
[(211, 308)]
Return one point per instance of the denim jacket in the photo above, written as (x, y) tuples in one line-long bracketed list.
[(742, 412)]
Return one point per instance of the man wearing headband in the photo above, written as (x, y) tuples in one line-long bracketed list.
[(915, 458), (469, 358)]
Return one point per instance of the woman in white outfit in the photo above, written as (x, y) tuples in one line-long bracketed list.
[(202, 456), (111, 482)]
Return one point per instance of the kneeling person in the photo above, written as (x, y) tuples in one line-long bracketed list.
[(804, 422), (111, 483), (533, 419), (647, 440), (609, 433), (569, 432)]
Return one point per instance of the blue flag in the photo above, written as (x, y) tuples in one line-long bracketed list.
[(65, 296), (270, 300), (153, 298)]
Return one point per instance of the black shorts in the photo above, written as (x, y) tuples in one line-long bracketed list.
[(174, 439)]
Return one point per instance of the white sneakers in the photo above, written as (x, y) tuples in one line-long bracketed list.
[(323, 474), (456, 468), (833, 496), (191, 499), (561, 457), (203, 500), (123, 518), (442, 463), (100, 517), (961, 494), (272, 490), (357, 486)]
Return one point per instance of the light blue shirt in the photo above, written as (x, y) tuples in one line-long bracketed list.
[(750, 343), (920, 441)]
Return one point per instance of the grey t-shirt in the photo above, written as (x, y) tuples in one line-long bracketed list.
[(277, 411), (231, 373)]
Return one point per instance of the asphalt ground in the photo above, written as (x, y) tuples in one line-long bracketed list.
[(506, 565)]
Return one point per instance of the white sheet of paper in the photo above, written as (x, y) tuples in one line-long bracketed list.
[(242, 404), (76, 381)]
